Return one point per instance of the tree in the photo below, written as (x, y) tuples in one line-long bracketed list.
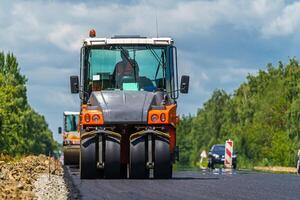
[(262, 117), (22, 130)]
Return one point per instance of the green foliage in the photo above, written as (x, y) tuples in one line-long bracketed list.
[(262, 117), (184, 140), (22, 130)]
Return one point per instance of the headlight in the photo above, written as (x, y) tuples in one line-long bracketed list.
[(216, 155), (233, 156), (96, 118), (163, 117), (87, 118), (154, 117)]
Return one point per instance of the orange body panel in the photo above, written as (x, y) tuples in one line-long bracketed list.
[(170, 115), (171, 119), (91, 113), (72, 137)]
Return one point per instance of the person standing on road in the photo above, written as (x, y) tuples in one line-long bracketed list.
[(298, 162)]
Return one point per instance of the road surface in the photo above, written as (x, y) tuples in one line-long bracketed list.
[(203, 184)]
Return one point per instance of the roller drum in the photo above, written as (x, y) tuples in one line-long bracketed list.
[(71, 155)]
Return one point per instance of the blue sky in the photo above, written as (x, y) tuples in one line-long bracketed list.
[(219, 41)]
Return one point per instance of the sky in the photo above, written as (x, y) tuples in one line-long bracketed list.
[(219, 42)]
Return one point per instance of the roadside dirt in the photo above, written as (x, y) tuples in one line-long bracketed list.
[(17, 177), (277, 169)]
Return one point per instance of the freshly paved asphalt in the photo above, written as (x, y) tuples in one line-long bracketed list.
[(203, 184)]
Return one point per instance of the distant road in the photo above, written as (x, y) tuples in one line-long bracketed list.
[(207, 185)]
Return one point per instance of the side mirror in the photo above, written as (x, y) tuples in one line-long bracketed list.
[(74, 84), (184, 84), (59, 130), (209, 153)]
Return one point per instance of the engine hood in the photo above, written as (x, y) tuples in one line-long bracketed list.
[(125, 106)]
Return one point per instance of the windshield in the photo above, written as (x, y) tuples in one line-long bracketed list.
[(137, 68), (220, 149), (71, 122)]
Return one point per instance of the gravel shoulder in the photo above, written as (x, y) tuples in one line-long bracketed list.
[(50, 187), (28, 178)]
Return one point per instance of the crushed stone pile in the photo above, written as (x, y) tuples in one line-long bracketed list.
[(17, 177), (51, 188)]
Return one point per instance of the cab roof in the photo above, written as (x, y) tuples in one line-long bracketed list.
[(128, 40), (71, 113)]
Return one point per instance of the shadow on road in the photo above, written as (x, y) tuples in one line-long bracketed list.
[(195, 178)]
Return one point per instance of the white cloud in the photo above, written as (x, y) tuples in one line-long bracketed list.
[(66, 36), (64, 24), (52, 98), (286, 23), (49, 75), (234, 74)]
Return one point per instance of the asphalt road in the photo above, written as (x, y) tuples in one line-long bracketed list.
[(204, 184)]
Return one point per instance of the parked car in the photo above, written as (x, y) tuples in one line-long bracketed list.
[(216, 155)]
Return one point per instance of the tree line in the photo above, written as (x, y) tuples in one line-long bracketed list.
[(262, 117), (22, 129)]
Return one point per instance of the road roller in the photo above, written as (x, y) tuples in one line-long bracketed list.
[(71, 138), (128, 86)]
